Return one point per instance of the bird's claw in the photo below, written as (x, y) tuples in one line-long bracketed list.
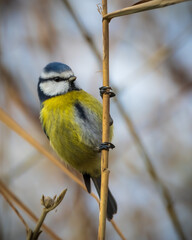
[(106, 146), (106, 90)]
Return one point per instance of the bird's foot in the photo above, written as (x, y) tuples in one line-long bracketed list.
[(106, 90), (106, 146)]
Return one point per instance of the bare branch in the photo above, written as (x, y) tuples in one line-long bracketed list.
[(149, 5)]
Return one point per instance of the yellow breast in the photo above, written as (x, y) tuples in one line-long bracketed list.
[(73, 123)]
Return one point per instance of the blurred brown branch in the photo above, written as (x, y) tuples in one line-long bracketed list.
[(10, 195), (14, 208), (83, 31), (15, 93), (14, 126), (164, 56), (33, 235), (167, 200)]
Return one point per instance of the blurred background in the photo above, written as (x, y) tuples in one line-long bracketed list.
[(150, 70)]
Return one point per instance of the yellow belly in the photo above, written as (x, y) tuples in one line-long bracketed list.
[(75, 141)]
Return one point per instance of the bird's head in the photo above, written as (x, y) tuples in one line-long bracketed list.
[(55, 79)]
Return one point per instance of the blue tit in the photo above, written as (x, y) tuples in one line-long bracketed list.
[(72, 120)]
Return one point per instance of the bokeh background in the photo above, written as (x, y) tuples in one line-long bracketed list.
[(150, 70)]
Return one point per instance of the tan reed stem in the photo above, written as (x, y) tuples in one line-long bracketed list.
[(141, 7), (105, 128)]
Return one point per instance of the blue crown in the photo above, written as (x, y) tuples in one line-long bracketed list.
[(56, 67)]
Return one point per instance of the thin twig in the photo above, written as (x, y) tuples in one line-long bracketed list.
[(49, 204), (141, 7), (21, 205), (117, 230)]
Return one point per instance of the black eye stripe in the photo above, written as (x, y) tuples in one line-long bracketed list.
[(57, 79)]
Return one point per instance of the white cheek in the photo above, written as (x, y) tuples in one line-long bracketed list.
[(52, 88)]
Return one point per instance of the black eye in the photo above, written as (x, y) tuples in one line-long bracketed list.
[(57, 79)]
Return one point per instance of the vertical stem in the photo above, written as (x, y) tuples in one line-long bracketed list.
[(105, 128), (36, 232)]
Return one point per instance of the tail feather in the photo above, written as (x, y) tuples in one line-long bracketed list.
[(87, 181), (111, 203)]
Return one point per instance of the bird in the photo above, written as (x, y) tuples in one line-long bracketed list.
[(72, 121)]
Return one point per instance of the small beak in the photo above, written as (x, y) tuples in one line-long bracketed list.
[(72, 79)]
